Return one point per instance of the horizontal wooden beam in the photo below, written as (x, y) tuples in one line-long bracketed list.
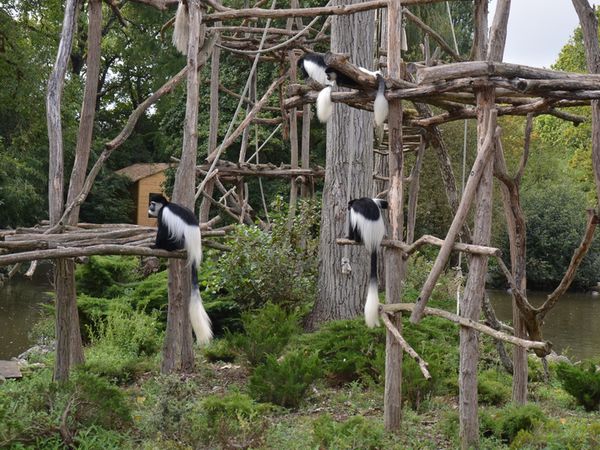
[(545, 347)]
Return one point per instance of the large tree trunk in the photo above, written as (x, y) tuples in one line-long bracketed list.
[(177, 351), (589, 25), (69, 349), (349, 142)]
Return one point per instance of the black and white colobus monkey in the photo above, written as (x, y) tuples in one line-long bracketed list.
[(366, 226), (312, 65), (181, 29), (178, 228)]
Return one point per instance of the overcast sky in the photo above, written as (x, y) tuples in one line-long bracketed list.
[(537, 30)]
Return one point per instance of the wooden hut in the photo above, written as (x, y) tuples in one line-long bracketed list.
[(147, 179)]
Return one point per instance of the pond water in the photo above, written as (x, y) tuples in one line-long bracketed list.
[(20, 308), (573, 325)]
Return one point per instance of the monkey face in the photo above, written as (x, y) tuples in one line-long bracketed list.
[(154, 208)]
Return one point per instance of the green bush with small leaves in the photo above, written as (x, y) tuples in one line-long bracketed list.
[(494, 387), (348, 351), (233, 420), (123, 343), (279, 266), (33, 411), (514, 418), (582, 382), (354, 433), (266, 332), (284, 381)]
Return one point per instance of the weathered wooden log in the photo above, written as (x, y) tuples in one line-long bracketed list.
[(544, 347)]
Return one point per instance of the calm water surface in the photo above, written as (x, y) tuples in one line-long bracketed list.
[(20, 307), (573, 325)]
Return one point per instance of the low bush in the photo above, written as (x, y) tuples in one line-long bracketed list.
[(354, 433), (348, 351), (35, 410), (233, 420), (122, 343), (279, 266), (494, 387), (284, 381), (582, 382), (514, 418), (266, 332)]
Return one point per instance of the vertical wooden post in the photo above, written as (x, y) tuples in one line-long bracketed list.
[(395, 263), (177, 350), (213, 131), (64, 285)]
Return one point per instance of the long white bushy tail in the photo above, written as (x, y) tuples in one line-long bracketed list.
[(181, 29), (324, 104)]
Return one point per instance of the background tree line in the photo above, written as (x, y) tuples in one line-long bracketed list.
[(137, 59)]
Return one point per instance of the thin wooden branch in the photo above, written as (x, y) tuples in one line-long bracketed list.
[(423, 365), (529, 345), (431, 32), (306, 12), (478, 168), (430, 240)]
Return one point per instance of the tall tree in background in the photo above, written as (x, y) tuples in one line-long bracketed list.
[(349, 168)]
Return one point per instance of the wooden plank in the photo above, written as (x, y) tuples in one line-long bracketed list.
[(9, 369)]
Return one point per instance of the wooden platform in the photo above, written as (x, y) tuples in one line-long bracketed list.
[(9, 369)]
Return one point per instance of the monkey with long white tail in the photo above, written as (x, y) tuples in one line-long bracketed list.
[(181, 29), (366, 226), (178, 228)]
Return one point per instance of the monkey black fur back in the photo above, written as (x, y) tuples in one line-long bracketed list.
[(178, 228), (366, 226)]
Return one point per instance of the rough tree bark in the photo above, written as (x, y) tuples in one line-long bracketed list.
[(213, 131), (69, 350), (395, 261), (177, 350), (470, 305), (349, 142), (589, 25)]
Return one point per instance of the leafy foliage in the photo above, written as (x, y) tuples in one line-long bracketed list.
[(266, 332), (278, 267), (106, 276), (122, 343), (284, 381), (582, 382), (233, 420), (356, 432), (348, 351), (32, 410)]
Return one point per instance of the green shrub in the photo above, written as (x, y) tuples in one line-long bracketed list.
[(355, 433), (106, 276), (348, 351), (266, 332), (233, 420), (33, 409), (278, 266), (494, 387), (514, 418), (284, 382), (123, 344), (98, 402), (219, 350), (436, 340), (582, 382)]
